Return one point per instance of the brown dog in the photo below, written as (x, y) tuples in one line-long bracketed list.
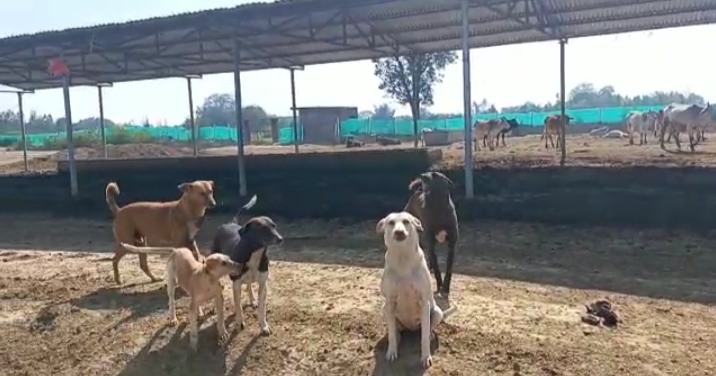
[(201, 280), (173, 224)]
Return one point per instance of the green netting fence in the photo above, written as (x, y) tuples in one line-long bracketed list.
[(397, 126)]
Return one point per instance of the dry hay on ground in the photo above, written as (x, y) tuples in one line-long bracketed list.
[(584, 150), (520, 292)]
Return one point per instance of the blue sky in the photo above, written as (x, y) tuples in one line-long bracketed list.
[(635, 63)]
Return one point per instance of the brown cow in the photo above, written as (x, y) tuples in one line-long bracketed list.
[(488, 131), (553, 126)]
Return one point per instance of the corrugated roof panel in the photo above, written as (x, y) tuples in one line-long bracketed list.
[(201, 42)]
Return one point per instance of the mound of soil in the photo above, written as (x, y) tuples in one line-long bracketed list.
[(128, 151)]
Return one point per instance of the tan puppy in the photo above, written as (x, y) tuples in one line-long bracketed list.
[(201, 280), (172, 224)]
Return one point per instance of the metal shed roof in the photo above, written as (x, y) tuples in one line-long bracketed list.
[(305, 32)]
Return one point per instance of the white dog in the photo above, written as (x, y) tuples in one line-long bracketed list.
[(406, 285)]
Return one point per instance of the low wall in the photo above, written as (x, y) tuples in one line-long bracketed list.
[(368, 186)]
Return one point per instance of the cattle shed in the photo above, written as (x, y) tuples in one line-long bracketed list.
[(320, 124)]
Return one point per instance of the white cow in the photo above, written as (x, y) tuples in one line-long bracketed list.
[(640, 122), (676, 118)]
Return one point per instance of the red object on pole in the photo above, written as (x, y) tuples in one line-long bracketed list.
[(58, 67)]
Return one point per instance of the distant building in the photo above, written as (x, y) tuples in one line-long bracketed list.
[(320, 123)]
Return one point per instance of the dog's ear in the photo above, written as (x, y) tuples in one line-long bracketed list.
[(211, 263), (426, 176), (184, 187), (415, 186), (416, 223), (442, 176), (245, 228), (211, 183), (380, 227)]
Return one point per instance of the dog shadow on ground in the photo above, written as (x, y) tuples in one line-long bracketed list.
[(408, 362), (175, 357), (141, 303)]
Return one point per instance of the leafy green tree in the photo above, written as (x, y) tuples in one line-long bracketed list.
[(410, 79)]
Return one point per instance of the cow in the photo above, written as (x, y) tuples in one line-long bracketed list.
[(553, 126), (488, 130), (640, 122), (676, 118), (511, 124)]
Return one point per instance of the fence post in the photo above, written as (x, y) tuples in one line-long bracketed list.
[(395, 129), (370, 126), (600, 116)]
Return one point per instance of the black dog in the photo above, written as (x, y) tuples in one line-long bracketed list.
[(432, 204), (248, 244)]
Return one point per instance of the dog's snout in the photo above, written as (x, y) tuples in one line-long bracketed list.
[(210, 203), (400, 235), (279, 239)]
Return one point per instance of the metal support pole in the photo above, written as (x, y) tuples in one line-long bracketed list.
[(191, 117), (70, 142), (21, 114), (239, 119), (101, 122), (467, 110), (563, 145), (293, 108)]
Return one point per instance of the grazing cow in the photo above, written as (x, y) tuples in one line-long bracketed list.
[(553, 126), (487, 130), (676, 118), (511, 124), (640, 122)]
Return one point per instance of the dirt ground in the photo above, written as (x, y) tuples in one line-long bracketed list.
[(520, 290), (585, 150), (526, 151)]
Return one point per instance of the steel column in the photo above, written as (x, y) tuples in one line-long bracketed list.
[(101, 121), (191, 117), (563, 146), (467, 110), (293, 109), (21, 114), (70, 141), (239, 118)]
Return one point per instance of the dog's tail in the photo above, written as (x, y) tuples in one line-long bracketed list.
[(110, 196), (148, 250), (248, 206), (448, 312)]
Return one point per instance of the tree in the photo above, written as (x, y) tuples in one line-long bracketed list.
[(410, 79), (383, 112), (219, 109), (484, 107), (585, 95), (365, 114)]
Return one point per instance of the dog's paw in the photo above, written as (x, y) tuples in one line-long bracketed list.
[(427, 361), (255, 304), (392, 353), (223, 338), (173, 321), (265, 330)]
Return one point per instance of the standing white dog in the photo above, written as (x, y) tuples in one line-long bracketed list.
[(406, 285)]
